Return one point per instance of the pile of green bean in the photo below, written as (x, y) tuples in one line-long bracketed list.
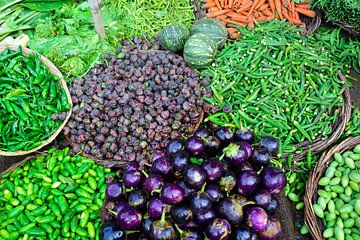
[(338, 203), (52, 197), (277, 82), (29, 96)]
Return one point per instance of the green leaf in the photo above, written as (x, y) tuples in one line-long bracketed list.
[(44, 6)]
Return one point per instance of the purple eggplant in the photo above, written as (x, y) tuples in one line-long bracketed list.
[(146, 225), (132, 178), (273, 179), (180, 160), (214, 192), (261, 157), (212, 145), (110, 231), (218, 229), (132, 166), (245, 234), (270, 143), (232, 210), (153, 183), (115, 191), (162, 166), (157, 155), (235, 154), (188, 191), (256, 219), (137, 199), (247, 182), (163, 229), (194, 176), (272, 230), (200, 203), (213, 169), (224, 135), (273, 206), (172, 193), (204, 218), (155, 207), (119, 206), (228, 181), (195, 146), (181, 214), (262, 197), (202, 133), (247, 147), (129, 218), (246, 166), (174, 146), (191, 234), (244, 135)]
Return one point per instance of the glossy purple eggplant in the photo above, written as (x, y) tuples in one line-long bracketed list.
[(272, 230), (224, 134), (244, 135), (172, 193), (132, 166), (202, 219), (156, 206), (138, 199), (194, 176), (181, 214), (174, 146), (218, 229), (132, 178), (110, 231), (162, 166), (129, 218), (157, 155), (212, 145), (235, 154), (213, 169), (270, 143), (200, 203), (180, 160), (273, 179), (260, 157), (192, 234), (202, 133), (153, 183), (188, 191), (273, 207), (120, 205), (146, 225), (245, 234), (115, 191), (232, 210), (247, 147), (256, 219), (247, 182), (195, 146), (163, 229), (262, 197), (214, 192)]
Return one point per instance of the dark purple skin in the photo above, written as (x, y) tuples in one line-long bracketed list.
[(262, 197), (212, 145), (180, 160), (137, 199), (244, 135), (129, 218), (115, 191), (195, 146), (111, 231), (256, 219), (213, 169), (200, 203), (231, 209), (195, 176), (187, 189), (273, 179), (156, 206), (192, 234), (146, 225), (157, 155), (247, 147), (235, 154), (224, 135), (172, 193), (272, 230), (270, 143), (132, 178), (132, 166), (119, 206), (227, 182), (153, 183), (204, 218), (245, 234), (261, 157), (214, 192), (246, 166), (247, 182), (162, 166), (181, 214), (174, 146), (163, 230), (218, 229), (202, 133), (273, 207)]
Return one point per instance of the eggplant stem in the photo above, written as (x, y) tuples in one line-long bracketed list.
[(178, 229), (146, 175), (203, 187)]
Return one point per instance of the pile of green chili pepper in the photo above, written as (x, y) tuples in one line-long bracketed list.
[(277, 82), (53, 197), (29, 95)]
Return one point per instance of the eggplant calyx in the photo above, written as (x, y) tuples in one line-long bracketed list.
[(231, 150)]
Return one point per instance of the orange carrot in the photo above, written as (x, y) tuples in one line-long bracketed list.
[(234, 35), (262, 2), (285, 14), (217, 2), (306, 6), (210, 1), (235, 22), (253, 6), (308, 13), (263, 7), (237, 3), (272, 5), (278, 8), (272, 17), (239, 18), (268, 13), (260, 19), (231, 3), (218, 13), (223, 22), (222, 3), (244, 7), (213, 9), (221, 17), (285, 3), (231, 30), (209, 5)]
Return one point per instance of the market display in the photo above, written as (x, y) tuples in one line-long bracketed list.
[(192, 191), (51, 197), (338, 202), (133, 104), (33, 104)]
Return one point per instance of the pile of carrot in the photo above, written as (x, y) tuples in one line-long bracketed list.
[(247, 12)]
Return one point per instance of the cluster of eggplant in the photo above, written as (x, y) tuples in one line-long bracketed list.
[(218, 186)]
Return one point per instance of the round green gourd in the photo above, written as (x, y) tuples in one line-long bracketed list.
[(213, 28), (199, 51), (173, 37)]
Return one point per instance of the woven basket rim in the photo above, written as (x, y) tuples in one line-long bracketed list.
[(314, 224), (52, 68)]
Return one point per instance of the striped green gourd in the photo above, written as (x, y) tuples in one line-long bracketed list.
[(173, 37), (199, 51), (213, 28)]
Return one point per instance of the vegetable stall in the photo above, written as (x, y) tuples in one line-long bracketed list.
[(203, 119)]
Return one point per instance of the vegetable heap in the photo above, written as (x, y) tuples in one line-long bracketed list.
[(134, 102), (29, 96), (338, 203), (216, 185), (51, 197)]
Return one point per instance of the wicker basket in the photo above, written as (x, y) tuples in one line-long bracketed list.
[(313, 223), (62, 82)]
